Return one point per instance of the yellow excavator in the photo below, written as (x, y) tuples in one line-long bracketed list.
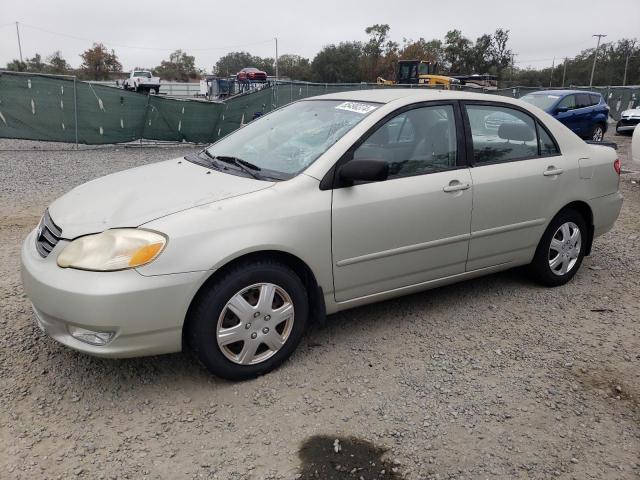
[(419, 72)]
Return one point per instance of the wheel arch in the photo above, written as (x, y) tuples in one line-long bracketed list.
[(317, 308), (585, 211)]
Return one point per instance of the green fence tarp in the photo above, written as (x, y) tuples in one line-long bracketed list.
[(62, 109)]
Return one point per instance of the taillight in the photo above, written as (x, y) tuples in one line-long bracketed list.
[(616, 166)]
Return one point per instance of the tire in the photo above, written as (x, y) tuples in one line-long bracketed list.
[(556, 265), (225, 351), (597, 133)]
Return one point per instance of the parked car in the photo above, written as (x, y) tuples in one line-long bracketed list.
[(628, 120), (141, 81), (584, 113), (635, 146), (251, 74), (322, 205)]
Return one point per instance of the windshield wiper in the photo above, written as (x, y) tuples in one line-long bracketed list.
[(243, 165), (213, 162)]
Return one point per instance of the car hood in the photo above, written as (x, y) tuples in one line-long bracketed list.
[(634, 112), (139, 195)]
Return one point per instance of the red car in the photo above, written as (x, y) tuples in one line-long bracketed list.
[(251, 74)]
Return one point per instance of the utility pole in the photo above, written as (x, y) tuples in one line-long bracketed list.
[(513, 61), (564, 71), (595, 56), (19, 45), (626, 65), (553, 64), (276, 39)]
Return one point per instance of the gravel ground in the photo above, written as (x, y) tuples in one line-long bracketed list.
[(490, 378)]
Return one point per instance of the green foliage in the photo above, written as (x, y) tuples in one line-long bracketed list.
[(609, 68), (57, 64), (98, 63), (294, 67), (16, 65), (54, 64), (180, 67), (233, 62), (338, 63)]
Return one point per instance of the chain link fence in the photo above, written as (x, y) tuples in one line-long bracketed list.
[(64, 109)]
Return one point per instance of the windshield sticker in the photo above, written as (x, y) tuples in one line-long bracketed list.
[(361, 108), (553, 96)]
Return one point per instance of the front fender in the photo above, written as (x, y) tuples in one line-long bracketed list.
[(293, 217)]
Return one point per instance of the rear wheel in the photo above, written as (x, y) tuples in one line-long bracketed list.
[(597, 133), (561, 249), (249, 320)]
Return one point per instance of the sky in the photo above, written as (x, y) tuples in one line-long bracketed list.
[(143, 33)]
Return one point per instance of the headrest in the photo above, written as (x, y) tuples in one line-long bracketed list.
[(518, 132)]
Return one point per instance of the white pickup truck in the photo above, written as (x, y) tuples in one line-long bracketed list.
[(142, 81)]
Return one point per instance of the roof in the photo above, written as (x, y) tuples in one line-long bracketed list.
[(387, 95), (560, 92)]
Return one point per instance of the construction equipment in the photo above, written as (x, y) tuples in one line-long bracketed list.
[(419, 72)]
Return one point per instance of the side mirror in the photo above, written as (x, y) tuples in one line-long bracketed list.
[(363, 170), (562, 109)]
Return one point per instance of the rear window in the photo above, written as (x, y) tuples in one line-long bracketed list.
[(543, 101), (583, 100)]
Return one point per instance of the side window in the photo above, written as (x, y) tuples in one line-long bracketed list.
[(501, 134), (547, 145), (582, 100), (595, 99), (569, 101), (418, 141)]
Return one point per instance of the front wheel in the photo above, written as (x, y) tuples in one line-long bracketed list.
[(597, 134), (248, 321), (561, 249)]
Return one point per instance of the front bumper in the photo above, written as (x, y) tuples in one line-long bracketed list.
[(145, 312), (627, 124)]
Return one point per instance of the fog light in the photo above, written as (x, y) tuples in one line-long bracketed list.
[(91, 337)]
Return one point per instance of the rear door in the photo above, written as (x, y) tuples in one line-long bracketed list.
[(569, 118), (584, 113), (414, 226), (518, 182)]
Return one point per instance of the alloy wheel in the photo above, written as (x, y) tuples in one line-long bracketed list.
[(564, 250), (255, 323), (598, 134)]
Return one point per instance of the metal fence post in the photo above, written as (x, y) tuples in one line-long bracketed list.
[(75, 106)]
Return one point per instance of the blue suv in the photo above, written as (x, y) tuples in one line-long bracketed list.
[(585, 113)]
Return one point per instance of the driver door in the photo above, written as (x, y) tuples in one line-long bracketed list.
[(415, 226)]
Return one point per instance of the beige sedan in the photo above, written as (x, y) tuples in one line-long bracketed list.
[(323, 205)]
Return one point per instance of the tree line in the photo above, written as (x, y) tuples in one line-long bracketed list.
[(378, 56)]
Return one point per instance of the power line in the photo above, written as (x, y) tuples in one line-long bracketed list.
[(135, 47)]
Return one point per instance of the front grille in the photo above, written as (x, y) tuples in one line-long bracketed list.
[(47, 236)]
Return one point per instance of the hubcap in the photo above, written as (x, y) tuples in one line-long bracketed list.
[(255, 323), (598, 134), (565, 248)]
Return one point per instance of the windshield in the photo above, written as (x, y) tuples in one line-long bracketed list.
[(142, 74), (542, 101), (290, 139)]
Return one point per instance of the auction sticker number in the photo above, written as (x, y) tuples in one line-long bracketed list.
[(356, 107)]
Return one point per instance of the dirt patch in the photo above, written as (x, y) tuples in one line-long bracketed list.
[(329, 458), (612, 384)]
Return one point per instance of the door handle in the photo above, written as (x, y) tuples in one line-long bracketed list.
[(551, 171), (455, 186)]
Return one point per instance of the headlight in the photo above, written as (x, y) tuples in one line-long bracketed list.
[(115, 249)]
